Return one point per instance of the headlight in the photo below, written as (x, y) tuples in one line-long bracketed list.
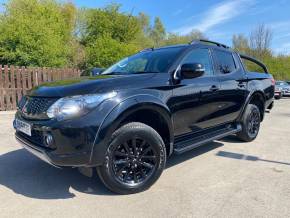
[(74, 106)]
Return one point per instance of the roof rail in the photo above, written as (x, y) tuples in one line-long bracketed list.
[(243, 56), (210, 42), (147, 49)]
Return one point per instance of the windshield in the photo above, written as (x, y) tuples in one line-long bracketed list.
[(156, 61), (281, 83)]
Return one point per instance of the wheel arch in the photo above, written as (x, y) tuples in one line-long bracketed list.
[(141, 108), (256, 97)]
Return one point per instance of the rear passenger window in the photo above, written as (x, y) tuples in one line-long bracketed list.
[(225, 62)]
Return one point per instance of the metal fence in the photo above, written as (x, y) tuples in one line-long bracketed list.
[(15, 81)]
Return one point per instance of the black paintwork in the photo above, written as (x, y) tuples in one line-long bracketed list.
[(186, 107)]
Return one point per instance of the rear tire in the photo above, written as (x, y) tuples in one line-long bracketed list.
[(135, 159), (250, 123)]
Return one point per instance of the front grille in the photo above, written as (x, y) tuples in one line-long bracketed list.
[(34, 107)]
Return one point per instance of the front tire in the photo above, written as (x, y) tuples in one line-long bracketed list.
[(135, 159), (250, 123)]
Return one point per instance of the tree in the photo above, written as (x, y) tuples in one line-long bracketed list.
[(37, 33), (144, 21), (158, 32), (108, 35), (105, 51), (195, 35), (258, 45), (53, 33), (240, 43), (111, 22), (173, 38), (260, 41)]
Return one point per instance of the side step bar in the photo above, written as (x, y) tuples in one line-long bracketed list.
[(187, 145)]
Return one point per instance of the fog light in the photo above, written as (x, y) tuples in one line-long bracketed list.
[(48, 140)]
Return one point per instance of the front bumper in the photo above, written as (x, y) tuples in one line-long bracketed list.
[(38, 152), (51, 157), (77, 142), (286, 93), (72, 140)]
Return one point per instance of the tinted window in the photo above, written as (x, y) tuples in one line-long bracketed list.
[(200, 56), (225, 61), (156, 61), (281, 83)]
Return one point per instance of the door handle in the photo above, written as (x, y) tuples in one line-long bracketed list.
[(214, 88)]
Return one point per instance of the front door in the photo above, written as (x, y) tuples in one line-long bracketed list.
[(194, 100)]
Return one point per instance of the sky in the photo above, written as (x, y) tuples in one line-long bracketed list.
[(218, 20)]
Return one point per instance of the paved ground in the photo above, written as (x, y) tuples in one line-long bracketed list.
[(222, 179)]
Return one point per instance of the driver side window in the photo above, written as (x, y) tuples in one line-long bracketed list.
[(200, 56)]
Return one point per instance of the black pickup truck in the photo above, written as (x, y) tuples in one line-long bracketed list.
[(126, 122)]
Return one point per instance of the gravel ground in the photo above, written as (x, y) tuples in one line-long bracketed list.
[(225, 178)]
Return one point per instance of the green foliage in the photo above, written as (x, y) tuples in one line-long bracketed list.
[(240, 43), (144, 21), (108, 35), (158, 32), (105, 51), (142, 38), (36, 33), (278, 66), (258, 46), (110, 22), (54, 33), (174, 38)]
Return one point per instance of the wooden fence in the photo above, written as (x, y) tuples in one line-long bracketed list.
[(15, 81)]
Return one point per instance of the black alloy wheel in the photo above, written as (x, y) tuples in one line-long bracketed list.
[(250, 123), (254, 123), (135, 159)]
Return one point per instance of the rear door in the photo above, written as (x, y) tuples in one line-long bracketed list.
[(233, 84)]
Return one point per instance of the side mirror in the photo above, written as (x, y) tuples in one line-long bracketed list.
[(190, 71)]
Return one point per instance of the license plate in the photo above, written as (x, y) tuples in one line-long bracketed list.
[(23, 127)]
